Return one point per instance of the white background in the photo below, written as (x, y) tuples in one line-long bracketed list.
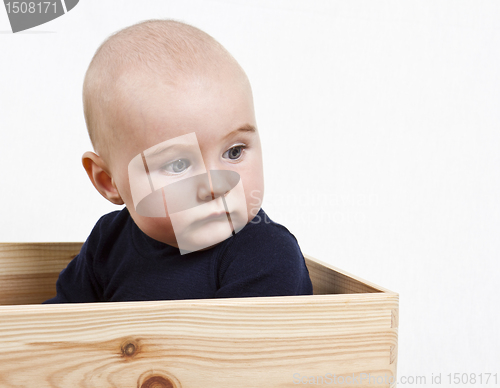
[(380, 126)]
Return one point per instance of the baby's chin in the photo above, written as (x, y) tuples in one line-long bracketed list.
[(190, 234), (201, 236), (188, 238), (159, 229)]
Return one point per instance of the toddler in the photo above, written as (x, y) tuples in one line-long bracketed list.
[(170, 115)]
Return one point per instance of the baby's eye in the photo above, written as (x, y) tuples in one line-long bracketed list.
[(178, 166), (234, 153)]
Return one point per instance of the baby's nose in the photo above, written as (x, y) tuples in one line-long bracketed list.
[(179, 196), (223, 181)]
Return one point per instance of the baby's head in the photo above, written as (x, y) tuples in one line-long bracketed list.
[(170, 115)]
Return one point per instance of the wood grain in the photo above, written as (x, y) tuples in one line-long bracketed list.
[(239, 342), (243, 342), (29, 271), (328, 279)]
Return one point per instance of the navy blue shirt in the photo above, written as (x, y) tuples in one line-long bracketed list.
[(118, 262)]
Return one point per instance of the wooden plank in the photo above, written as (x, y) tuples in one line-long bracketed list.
[(29, 271), (35, 258), (243, 342), (328, 279)]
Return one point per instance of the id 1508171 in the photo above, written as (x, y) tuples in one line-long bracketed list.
[(31, 7), (472, 378)]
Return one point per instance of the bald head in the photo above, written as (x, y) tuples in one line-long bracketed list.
[(163, 51)]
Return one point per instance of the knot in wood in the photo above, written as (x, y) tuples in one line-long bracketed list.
[(129, 349), (158, 382)]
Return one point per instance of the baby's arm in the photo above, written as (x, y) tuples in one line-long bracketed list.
[(264, 262), (77, 283)]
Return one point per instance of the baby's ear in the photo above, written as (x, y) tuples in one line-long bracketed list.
[(101, 179)]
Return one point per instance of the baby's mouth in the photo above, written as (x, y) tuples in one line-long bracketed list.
[(215, 216)]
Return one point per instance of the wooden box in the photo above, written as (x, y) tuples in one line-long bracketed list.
[(344, 335)]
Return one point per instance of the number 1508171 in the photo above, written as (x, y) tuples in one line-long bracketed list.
[(31, 7)]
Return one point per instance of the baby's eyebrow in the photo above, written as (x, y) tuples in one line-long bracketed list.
[(245, 128)]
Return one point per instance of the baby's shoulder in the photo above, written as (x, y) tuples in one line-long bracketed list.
[(262, 259), (262, 224), (263, 234), (113, 219), (109, 227)]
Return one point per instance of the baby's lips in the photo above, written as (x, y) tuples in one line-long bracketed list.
[(27, 14)]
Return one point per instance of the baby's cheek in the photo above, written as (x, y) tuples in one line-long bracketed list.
[(157, 228), (253, 181), (254, 196)]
